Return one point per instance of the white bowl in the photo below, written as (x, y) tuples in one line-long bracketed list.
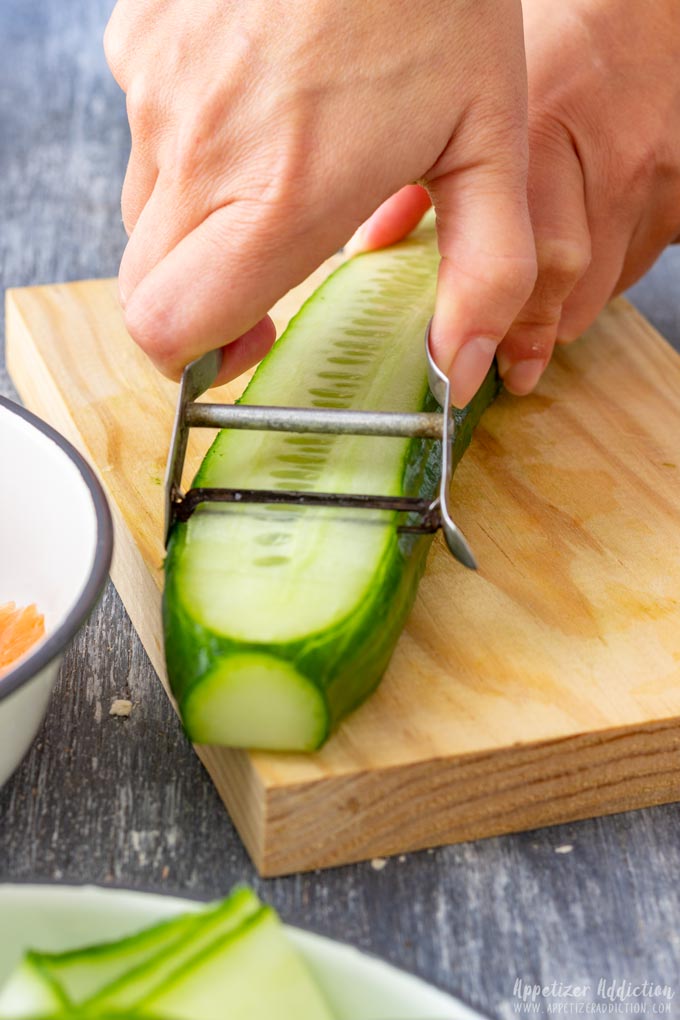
[(358, 987), (55, 550)]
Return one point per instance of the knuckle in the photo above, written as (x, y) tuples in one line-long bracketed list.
[(563, 259), (637, 169), (192, 152), (548, 134), (283, 174), (537, 315), (561, 264), (140, 107), (510, 278), (528, 274), (115, 50), (129, 207), (515, 275)]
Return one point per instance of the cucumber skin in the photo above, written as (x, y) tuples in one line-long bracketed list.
[(347, 662)]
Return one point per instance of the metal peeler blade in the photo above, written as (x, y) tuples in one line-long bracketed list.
[(200, 376), (440, 387)]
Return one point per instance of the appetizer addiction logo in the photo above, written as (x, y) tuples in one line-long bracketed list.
[(603, 997)]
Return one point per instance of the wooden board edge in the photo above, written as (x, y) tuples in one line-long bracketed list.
[(233, 772), (402, 809), (41, 394), (240, 787)]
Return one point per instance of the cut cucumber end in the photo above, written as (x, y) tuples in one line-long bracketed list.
[(251, 699)]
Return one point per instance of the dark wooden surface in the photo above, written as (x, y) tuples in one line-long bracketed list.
[(125, 801)]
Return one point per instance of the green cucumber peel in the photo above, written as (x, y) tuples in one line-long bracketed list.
[(202, 928), (279, 621)]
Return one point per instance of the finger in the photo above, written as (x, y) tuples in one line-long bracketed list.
[(115, 50), (247, 350), (142, 169), (653, 233), (638, 261), (391, 221), (163, 221), (140, 180), (222, 279), (557, 206), (488, 267), (594, 290)]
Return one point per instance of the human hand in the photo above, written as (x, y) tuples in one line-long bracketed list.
[(604, 177), (264, 133)]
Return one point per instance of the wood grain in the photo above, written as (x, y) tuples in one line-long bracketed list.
[(542, 689)]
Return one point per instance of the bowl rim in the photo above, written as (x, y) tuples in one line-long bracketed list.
[(178, 896), (56, 642)]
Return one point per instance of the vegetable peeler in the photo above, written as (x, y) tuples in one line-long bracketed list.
[(431, 515)]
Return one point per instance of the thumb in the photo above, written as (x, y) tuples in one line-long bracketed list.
[(487, 270)]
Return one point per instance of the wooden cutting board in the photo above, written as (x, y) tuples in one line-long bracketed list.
[(542, 689)]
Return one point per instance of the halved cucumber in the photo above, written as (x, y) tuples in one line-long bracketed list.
[(279, 619)]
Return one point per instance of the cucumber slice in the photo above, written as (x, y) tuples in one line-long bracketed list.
[(252, 974), (76, 1014), (202, 930), (73, 1013), (232, 960), (113, 975), (29, 991), (279, 620), (80, 974)]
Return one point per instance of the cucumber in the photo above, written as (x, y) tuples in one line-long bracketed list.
[(30, 992), (146, 979), (253, 973), (76, 1014), (232, 960), (279, 620), (113, 976), (81, 974)]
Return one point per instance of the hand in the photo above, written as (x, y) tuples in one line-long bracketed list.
[(604, 177), (264, 133)]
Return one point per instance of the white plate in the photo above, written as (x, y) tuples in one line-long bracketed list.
[(55, 550), (358, 987)]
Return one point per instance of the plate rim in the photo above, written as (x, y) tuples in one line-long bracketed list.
[(462, 1009), (56, 642)]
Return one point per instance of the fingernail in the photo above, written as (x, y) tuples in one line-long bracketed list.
[(357, 241), (521, 377), (469, 368)]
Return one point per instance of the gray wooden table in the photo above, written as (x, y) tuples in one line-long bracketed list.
[(126, 801)]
